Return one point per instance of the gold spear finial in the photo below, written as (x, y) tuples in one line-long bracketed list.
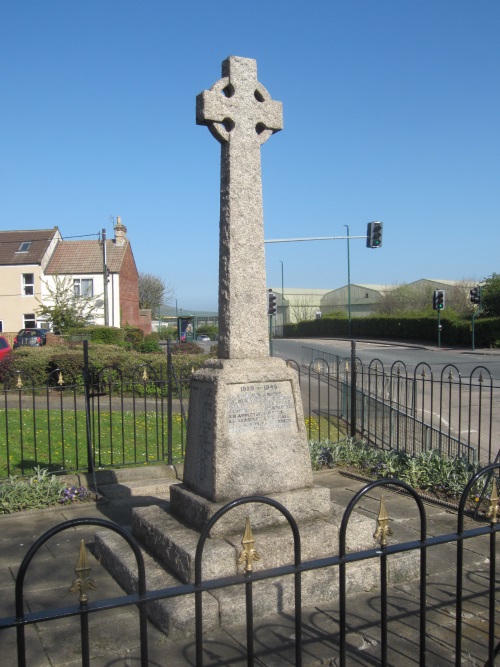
[(248, 555), (83, 582), (493, 509), (383, 528), (60, 380)]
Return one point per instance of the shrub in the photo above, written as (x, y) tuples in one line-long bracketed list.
[(428, 471), (38, 491), (455, 331), (185, 348), (37, 366), (149, 344), (100, 334), (133, 336)]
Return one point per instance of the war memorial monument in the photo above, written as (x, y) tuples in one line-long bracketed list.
[(246, 433)]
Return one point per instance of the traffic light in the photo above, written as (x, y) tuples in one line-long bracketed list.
[(271, 308), (475, 295), (374, 235), (438, 297)]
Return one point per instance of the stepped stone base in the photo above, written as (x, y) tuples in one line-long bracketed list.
[(170, 548), (306, 504)]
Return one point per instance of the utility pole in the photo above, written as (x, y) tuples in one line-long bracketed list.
[(105, 278)]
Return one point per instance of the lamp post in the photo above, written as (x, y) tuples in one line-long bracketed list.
[(282, 295), (348, 280)]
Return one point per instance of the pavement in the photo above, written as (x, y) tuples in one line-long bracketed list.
[(114, 633)]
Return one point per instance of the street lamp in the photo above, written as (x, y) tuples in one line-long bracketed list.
[(348, 280)]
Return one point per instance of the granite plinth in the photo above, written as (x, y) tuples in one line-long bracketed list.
[(246, 432)]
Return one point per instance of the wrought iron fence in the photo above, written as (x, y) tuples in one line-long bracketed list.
[(94, 419), (402, 410), (106, 419), (336, 564)]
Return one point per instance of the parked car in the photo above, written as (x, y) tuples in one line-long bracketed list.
[(31, 337), (203, 338), (4, 347)]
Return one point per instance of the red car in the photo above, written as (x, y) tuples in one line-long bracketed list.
[(4, 347)]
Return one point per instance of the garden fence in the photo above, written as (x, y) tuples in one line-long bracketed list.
[(108, 418)]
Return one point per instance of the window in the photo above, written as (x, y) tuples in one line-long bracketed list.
[(25, 246), (83, 287), (1, 326), (28, 284), (29, 321)]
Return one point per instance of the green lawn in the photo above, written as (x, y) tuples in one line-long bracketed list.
[(58, 441)]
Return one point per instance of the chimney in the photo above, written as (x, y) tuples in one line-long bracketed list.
[(120, 232)]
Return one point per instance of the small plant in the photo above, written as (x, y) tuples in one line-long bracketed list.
[(428, 471), (72, 494), (38, 491)]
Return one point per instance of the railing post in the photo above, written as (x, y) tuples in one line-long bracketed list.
[(353, 389), (86, 385), (169, 402)]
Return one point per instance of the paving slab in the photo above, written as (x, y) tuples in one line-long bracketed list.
[(52, 572)]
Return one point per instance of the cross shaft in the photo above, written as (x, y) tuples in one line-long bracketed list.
[(241, 115)]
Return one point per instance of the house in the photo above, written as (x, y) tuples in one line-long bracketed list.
[(24, 256), (105, 270), (102, 269)]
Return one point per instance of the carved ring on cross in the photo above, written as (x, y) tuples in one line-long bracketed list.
[(222, 131)]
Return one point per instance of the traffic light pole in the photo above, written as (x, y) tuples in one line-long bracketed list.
[(439, 328), (270, 335), (475, 297), (477, 312)]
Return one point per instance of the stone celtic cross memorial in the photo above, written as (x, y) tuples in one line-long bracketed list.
[(246, 430), (241, 115)]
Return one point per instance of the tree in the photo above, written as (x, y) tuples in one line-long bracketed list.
[(153, 292), (63, 308), (407, 299), (301, 309), (490, 295)]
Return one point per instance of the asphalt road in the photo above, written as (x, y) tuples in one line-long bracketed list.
[(456, 409), (389, 353)]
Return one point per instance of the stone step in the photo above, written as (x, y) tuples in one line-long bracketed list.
[(174, 545), (155, 488), (171, 546), (120, 475), (175, 616)]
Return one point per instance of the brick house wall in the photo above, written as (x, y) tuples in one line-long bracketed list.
[(129, 292)]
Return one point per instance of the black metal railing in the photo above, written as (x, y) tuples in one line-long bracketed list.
[(486, 652), (104, 418), (97, 418), (402, 410)]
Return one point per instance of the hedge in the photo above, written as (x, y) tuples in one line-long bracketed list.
[(36, 364), (454, 331)]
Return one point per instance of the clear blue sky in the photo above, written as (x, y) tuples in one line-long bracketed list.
[(391, 112)]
